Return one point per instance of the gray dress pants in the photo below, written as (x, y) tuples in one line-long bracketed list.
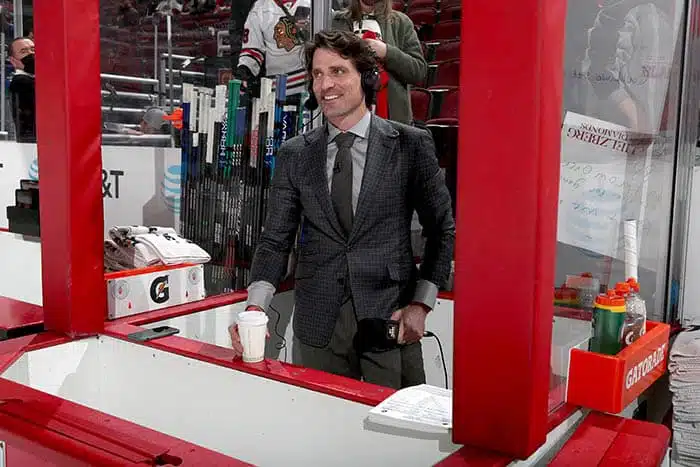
[(396, 368)]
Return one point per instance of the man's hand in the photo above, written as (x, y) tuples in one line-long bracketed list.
[(411, 322), (236, 338), (378, 46)]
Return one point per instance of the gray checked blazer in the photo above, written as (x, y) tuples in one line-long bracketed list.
[(401, 175)]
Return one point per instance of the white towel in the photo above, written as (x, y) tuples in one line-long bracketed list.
[(686, 461), (684, 375), (124, 237), (685, 390), (683, 367), (687, 345), (686, 401), (684, 382), (115, 259), (688, 417), (131, 253), (686, 436), (173, 249), (147, 246), (126, 231)]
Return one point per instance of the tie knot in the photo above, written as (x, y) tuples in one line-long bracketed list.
[(344, 140)]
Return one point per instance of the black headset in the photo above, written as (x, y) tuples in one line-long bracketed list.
[(370, 83)]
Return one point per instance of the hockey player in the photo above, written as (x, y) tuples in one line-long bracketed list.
[(274, 33)]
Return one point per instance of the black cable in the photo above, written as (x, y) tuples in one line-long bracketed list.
[(282, 345), (442, 354), (283, 342), (307, 125)]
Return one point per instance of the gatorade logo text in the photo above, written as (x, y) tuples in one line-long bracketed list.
[(160, 291), (643, 368)]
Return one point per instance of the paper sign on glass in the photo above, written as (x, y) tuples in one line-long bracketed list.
[(594, 182)]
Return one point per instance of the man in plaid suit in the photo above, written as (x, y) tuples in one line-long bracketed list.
[(356, 182)]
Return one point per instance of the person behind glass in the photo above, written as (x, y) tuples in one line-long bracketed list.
[(154, 122), (392, 36), (272, 42), (356, 181), (628, 62), (22, 89)]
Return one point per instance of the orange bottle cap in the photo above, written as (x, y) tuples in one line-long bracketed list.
[(610, 299), (634, 285)]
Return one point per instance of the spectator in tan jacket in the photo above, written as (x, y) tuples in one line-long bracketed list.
[(393, 37)]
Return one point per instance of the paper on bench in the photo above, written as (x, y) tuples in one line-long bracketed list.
[(424, 408)]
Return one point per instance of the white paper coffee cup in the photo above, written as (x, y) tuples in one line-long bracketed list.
[(252, 327)]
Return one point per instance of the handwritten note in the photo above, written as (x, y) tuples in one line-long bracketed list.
[(601, 182)]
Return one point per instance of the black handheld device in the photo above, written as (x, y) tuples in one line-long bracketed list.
[(153, 333), (376, 335)]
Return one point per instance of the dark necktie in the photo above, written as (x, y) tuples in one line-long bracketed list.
[(341, 187)]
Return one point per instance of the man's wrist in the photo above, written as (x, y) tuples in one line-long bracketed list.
[(425, 294), (260, 295), (422, 306)]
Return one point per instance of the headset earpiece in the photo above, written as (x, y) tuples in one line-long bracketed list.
[(311, 103), (370, 81), (370, 85)]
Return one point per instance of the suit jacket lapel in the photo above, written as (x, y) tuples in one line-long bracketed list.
[(382, 139), (318, 148)]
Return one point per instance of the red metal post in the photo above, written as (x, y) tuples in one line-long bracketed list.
[(69, 124), (508, 170)]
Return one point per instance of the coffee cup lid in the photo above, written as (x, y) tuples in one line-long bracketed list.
[(252, 317)]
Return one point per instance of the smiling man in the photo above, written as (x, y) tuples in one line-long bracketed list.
[(356, 182)]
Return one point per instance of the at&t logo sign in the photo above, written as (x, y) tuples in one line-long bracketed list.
[(34, 170), (170, 188), (111, 180)]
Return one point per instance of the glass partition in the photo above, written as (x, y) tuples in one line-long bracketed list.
[(17, 97), (150, 52), (19, 207), (182, 148), (618, 149), (188, 155), (211, 181)]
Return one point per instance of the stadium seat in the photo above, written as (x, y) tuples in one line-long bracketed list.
[(447, 50), (444, 127), (399, 6), (421, 4), (450, 13), (428, 50), (423, 16), (420, 104), (445, 30), (446, 107), (444, 73)]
